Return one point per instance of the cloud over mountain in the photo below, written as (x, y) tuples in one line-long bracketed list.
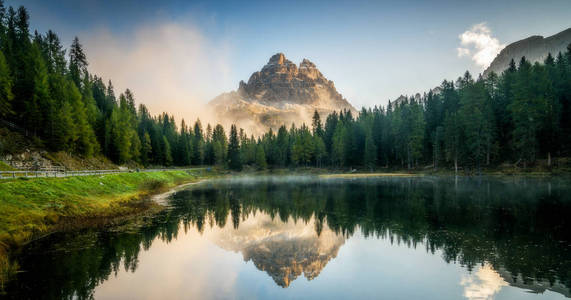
[(479, 44)]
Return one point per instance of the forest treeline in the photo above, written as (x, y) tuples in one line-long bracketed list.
[(518, 116)]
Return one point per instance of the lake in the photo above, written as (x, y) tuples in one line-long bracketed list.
[(305, 237)]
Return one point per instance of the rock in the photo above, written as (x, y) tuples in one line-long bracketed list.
[(28, 160), (280, 93), (534, 48)]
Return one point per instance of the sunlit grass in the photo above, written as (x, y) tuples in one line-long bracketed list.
[(31, 206), (5, 167)]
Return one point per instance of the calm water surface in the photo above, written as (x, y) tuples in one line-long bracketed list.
[(305, 237)]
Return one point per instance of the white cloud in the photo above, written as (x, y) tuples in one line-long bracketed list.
[(170, 67), (479, 43), (463, 51)]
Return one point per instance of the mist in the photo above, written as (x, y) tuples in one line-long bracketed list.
[(169, 66)]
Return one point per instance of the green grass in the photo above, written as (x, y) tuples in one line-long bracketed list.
[(5, 167), (31, 207)]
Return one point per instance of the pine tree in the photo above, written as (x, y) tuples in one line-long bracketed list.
[(370, 158), (64, 132), (146, 150), (316, 123), (527, 111), (6, 94), (220, 144), (88, 100), (198, 144), (452, 139), (55, 54), (477, 122), (282, 144), (41, 107), (416, 134), (338, 146), (303, 147), (77, 62), (330, 125), (234, 161), (545, 82), (167, 159), (260, 157), (320, 151)]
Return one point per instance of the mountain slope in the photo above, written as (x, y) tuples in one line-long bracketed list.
[(281, 93), (534, 48)]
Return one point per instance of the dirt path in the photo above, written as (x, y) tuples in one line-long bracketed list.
[(162, 198)]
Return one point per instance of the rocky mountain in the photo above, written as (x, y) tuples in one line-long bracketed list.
[(280, 93), (284, 250), (534, 48)]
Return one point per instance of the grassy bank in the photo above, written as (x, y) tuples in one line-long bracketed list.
[(33, 207)]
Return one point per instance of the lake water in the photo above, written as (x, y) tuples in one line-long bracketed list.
[(311, 238)]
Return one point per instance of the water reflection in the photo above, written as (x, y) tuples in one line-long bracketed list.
[(484, 283), (514, 233), (284, 250)]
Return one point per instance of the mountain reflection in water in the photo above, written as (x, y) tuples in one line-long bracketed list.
[(512, 233), (284, 250)]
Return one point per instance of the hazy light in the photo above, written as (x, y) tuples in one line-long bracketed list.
[(170, 67)]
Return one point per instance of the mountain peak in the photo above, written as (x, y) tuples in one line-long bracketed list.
[(281, 81), (278, 58), (535, 49), (306, 63), (281, 93)]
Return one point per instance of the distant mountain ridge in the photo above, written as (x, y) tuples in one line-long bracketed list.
[(534, 48), (280, 93)]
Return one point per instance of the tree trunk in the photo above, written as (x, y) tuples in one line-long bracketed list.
[(456, 165), (549, 159)]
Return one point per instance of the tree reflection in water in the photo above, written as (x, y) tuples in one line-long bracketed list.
[(519, 229)]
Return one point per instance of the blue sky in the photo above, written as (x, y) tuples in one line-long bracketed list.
[(373, 51)]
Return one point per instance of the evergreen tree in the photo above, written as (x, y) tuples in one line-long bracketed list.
[(260, 158), (370, 158), (39, 107), (220, 145), (527, 111), (338, 146), (234, 161), (282, 146), (6, 95), (452, 139), (77, 62), (316, 123), (477, 122), (167, 159), (146, 149), (198, 144), (320, 152), (303, 147)]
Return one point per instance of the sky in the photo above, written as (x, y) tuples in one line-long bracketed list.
[(177, 55)]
